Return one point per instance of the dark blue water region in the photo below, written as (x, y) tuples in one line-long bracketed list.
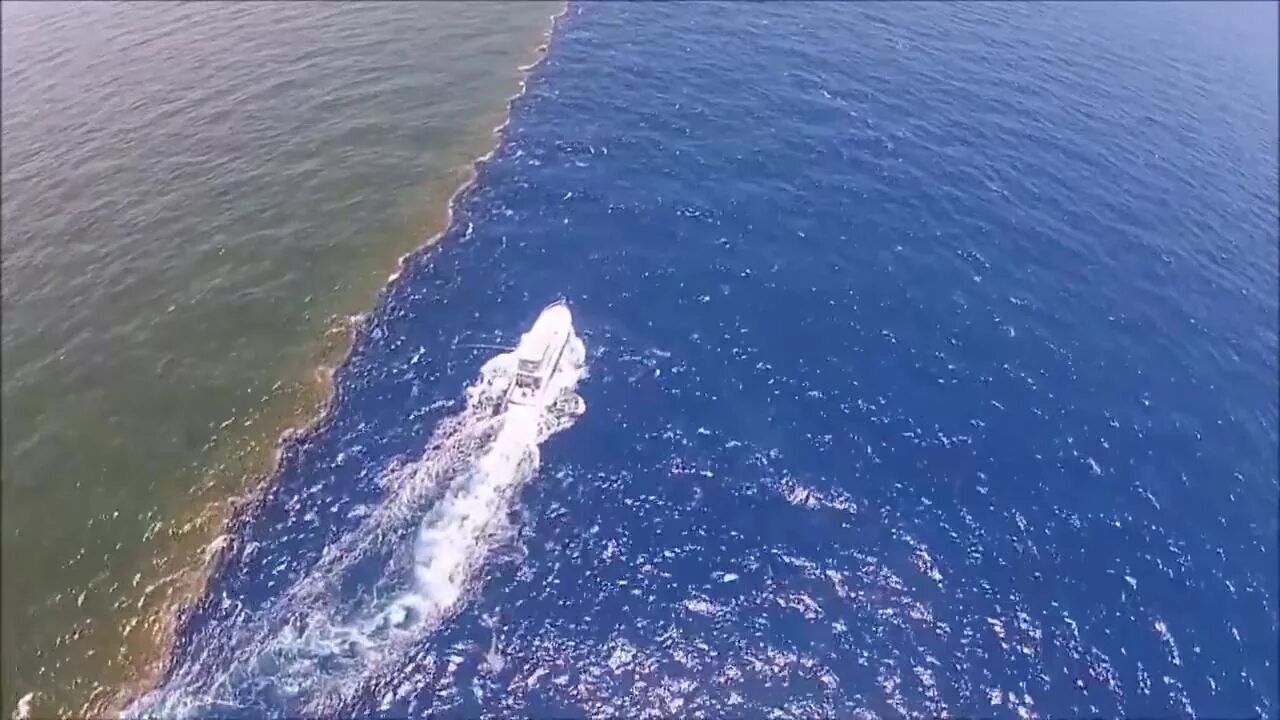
[(932, 371)]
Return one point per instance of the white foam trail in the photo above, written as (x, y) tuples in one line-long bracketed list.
[(457, 534), (450, 541), (454, 538), (466, 480), (23, 710)]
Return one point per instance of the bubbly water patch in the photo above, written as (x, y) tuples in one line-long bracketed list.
[(1167, 638), (23, 709), (432, 531)]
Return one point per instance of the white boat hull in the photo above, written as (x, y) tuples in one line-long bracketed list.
[(539, 356)]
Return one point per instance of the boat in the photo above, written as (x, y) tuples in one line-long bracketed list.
[(538, 354)]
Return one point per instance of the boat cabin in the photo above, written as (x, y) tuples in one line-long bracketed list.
[(532, 365), (528, 381)]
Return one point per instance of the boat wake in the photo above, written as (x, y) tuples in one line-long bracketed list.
[(381, 588)]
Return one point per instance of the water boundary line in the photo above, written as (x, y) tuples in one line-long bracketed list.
[(293, 438)]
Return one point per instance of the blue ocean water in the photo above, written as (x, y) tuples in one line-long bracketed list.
[(931, 369)]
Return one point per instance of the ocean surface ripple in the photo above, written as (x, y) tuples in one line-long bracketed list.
[(932, 370)]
